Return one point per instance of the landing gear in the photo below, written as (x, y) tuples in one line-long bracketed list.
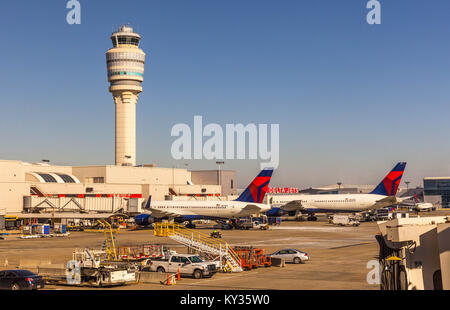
[(312, 218), (298, 216), (232, 224), (190, 225)]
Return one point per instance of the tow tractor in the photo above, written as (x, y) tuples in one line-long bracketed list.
[(245, 223), (90, 267), (97, 267), (216, 234), (252, 222)]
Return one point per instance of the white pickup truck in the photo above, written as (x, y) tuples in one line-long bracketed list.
[(187, 264)]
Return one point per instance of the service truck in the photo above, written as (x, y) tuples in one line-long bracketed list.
[(186, 264), (344, 220), (91, 267)]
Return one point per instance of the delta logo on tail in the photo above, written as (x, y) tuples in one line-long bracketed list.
[(390, 184), (256, 191)]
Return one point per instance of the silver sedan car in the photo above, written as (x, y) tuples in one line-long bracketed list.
[(291, 256)]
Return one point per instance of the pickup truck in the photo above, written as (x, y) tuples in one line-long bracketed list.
[(188, 264)]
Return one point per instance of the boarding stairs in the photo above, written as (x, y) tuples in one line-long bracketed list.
[(195, 240)]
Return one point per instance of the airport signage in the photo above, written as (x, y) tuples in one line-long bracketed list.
[(283, 190)]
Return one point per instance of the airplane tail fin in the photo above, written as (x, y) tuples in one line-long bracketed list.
[(256, 191), (149, 200), (390, 184)]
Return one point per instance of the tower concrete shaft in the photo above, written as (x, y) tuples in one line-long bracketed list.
[(125, 127), (125, 64)]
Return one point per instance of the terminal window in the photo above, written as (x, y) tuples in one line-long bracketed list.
[(99, 180), (438, 187)]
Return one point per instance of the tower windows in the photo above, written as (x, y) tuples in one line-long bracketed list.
[(127, 40), (125, 73)]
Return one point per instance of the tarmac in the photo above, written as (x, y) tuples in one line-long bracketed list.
[(339, 256)]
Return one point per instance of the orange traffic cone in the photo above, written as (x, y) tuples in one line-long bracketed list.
[(168, 279), (178, 274)]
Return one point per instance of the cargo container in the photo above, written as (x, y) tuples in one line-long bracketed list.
[(60, 228), (274, 220)]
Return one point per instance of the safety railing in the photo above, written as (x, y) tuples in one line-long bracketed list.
[(194, 236), (140, 252), (109, 243)]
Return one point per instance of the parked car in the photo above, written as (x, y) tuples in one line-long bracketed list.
[(187, 264), (20, 280), (291, 256)]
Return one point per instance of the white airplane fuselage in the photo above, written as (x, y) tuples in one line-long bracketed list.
[(206, 208), (424, 206), (328, 203)]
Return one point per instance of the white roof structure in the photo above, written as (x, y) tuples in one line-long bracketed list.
[(49, 177)]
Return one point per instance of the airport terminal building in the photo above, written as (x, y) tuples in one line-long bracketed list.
[(43, 188), (437, 191)]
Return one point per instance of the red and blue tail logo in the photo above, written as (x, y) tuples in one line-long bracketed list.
[(389, 186), (256, 191)]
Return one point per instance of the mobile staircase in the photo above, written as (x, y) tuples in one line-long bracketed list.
[(229, 260)]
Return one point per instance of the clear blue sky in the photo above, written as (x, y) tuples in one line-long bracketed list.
[(351, 99)]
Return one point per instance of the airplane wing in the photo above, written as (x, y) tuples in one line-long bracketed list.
[(292, 205), (250, 209), (386, 202), (172, 213), (406, 198)]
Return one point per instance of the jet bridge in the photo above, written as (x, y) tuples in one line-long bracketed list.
[(415, 253)]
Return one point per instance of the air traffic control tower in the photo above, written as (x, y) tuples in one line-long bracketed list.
[(125, 63)]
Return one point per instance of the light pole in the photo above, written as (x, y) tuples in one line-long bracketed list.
[(407, 185), (128, 157), (173, 177), (220, 163)]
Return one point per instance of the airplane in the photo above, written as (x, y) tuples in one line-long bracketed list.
[(248, 203), (382, 196), (423, 206), (418, 206)]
